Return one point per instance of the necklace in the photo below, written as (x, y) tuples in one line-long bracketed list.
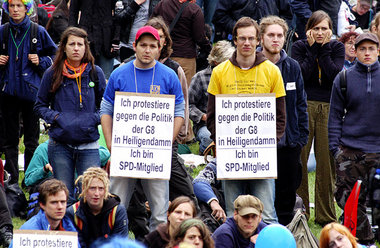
[(14, 42), (152, 89)]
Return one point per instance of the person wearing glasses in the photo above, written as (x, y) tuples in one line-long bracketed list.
[(348, 39), (248, 72)]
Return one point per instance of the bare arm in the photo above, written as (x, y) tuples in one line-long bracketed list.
[(107, 121), (178, 122)]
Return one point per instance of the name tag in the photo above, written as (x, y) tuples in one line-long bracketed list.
[(291, 86)]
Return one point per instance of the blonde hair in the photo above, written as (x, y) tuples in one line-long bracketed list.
[(325, 235), (89, 175), (375, 22), (271, 20), (220, 52)]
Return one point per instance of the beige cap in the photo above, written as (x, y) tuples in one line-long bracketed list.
[(248, 204)]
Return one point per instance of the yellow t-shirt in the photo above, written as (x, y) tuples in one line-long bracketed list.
[(263, 78)]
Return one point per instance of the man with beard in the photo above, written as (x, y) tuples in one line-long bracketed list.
[(289, 169)]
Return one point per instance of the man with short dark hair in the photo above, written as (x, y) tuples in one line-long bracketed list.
[(354, 136), (52, 198), (241, 230), (149, 73), (248, 72)]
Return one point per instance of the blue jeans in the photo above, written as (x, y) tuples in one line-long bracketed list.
[(156, 191), (203, 136), (66, 160), (106, 64), (264, 189), (208, 7)]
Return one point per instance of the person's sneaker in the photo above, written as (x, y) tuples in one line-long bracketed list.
[(6, 233)]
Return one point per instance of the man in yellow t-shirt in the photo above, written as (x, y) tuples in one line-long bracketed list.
[(248, 72)]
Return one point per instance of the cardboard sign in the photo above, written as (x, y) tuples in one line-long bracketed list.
[(142, 135), (246, 144), (44, 239)]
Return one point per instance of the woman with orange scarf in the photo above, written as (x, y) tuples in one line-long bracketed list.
[(68, 100)]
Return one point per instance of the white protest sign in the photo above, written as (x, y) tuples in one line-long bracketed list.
[(142, 135), (246, 136), (45, 239)]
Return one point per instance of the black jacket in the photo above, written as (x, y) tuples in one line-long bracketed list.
[(96, 18), (330, 59), (97, 226), (229, 11), (126, 16), (57, 24), (303, 9)]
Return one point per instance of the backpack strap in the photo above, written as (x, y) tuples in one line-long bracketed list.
[(4, 45), (33, 38), (343, 82), (112, 217), (77, 221), (179, 13)]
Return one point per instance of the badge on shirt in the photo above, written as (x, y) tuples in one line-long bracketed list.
[(154, 89), (290, 85)]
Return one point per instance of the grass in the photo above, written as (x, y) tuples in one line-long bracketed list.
[(194, 147), (315, 228)]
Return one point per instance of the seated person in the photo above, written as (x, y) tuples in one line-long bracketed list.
[(40, 169), (242, 229), (98, 213), (193, 232), (337, 235), (53, 195), (180, 209), (348, 39), (198, 95), (6, 227), (210, 198), (363, 13)]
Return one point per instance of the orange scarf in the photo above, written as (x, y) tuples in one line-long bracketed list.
[(77, 75), (77, 72)]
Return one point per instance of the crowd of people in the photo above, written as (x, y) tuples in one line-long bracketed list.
[(319, 59)]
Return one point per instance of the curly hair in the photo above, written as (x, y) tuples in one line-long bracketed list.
[(220, 52), (347, 36), (88, 176), (28, 4), (271, 20)]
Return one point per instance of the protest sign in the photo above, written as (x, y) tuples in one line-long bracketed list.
[(246, 145), (142, 135), (44, 239)]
